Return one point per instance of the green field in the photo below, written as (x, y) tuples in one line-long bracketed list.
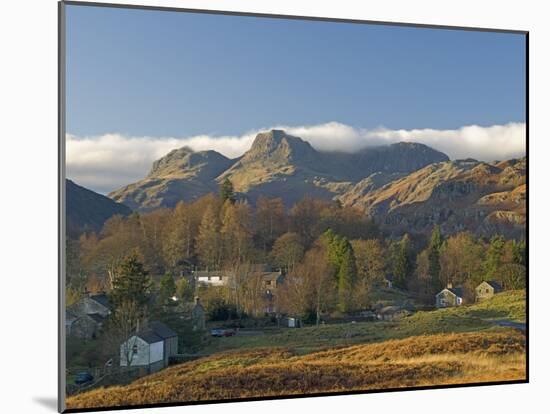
[(504, 306)]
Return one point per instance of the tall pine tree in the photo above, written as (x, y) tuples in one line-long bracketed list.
[(493, 258), (226, 191), (434, 266), (403, 265), (342, 259), (131, 282)]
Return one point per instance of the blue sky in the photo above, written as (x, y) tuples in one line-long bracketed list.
[(154, 73)]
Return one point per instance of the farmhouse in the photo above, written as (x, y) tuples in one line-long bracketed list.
[(487, 289), (98, 303), (449, 297), (84, 319), (87, 326), (149, 348)]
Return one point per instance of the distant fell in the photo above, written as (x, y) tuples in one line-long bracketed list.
[(87, 210)]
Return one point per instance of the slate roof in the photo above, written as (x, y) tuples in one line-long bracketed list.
[(455, 291), (102, 299), (96, 317), (70, 315), (149, 336), (162, 330), (494, 284), (156, 332)]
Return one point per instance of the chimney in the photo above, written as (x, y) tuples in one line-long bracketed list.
[(449, 285)]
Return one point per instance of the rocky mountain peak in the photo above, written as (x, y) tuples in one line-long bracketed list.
[(173, 157), (185, 159), (278, 144)]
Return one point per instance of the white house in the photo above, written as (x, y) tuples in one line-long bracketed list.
[(211, 278), (449, 297), (150, 348)]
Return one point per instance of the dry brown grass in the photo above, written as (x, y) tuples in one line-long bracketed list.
[(416, 361)]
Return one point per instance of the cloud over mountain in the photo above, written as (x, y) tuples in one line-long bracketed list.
[(109, 161)]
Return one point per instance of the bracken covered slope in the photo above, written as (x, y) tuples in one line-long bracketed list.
[(497, 355), (458, 195)]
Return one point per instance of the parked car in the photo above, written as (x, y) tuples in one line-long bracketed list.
[(83, 378), (216, 332), (219, 332)]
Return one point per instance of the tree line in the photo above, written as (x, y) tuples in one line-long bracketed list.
[(333, 257)]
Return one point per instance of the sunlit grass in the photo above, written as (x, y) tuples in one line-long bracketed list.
[(494, 355)]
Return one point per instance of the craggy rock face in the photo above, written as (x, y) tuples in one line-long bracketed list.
[(276, 165), (457, 195), (406, 187)]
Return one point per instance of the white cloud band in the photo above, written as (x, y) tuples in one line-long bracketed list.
[(107, 162)]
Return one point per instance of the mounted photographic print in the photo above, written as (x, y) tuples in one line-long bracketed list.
[(260, 206)]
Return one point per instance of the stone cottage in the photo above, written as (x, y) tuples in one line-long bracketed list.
[(449, 297), (487, 289), (84, 319)]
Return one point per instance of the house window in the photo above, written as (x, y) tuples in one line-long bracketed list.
[(486, 290), (134, 350), (268, 283)]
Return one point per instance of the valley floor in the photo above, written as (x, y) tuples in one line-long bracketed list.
[(451, 346)]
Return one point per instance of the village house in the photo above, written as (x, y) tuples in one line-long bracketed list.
[(84, 319), (271, 281), (212, 277), (92, 303), (87, 326), (487, 289), (150, 348), (449, 297)]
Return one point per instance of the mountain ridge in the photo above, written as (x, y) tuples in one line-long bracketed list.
[(277, 164), (403, 186)]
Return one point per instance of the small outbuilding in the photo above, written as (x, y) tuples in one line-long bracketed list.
[(449, 297), (391, 313), (487, 289), (149, 348)]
